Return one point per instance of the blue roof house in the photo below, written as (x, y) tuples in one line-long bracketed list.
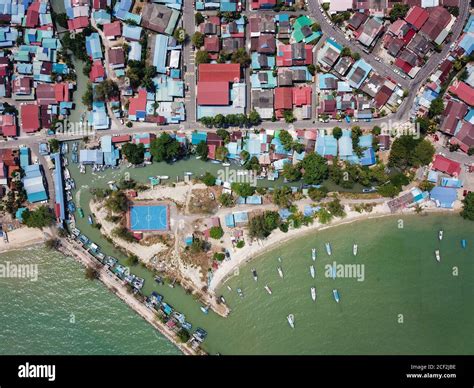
[(93, 46)]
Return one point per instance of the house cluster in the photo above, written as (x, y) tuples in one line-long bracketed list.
[(31, 73), (351, 89), (9, 165), (406, 42), (457, 120), (129, 37), (444, 174), (282, 65)]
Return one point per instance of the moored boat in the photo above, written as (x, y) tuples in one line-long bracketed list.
[(311, 271), (336, 295), (81, 212), (463, 243), (268, 289), (354, 249), (440, 235), (313, 254), (254, 274), (239, 291), (328, 249), (90, 220), (291, 320), (438, 256), (222, 299), (205, 310), (280, 272), (229, 288), (313, 293)]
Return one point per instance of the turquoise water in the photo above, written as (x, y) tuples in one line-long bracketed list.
[(401, 277), (63, 313)]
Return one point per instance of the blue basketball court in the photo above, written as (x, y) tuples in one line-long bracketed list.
[(149, 218)]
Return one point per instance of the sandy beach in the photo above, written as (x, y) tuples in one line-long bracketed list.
[(240, 256), (23, 237)]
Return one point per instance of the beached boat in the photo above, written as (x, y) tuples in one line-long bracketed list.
[(205, 310), (313, 254), (313, 293), (90, 220), (438, 256), (81, 212), (328, 249), (163, 177), (440, 235), (463, 243), (311, 271), (291, 320), (354, 249), (268, 289), (229, 288), (254, 274), (222, 299), (336, 295), (239, 291), (280, 272)]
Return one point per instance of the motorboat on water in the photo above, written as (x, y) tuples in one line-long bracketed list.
[(205, 309), (239, 291), (222, 299), (268, 289), (311, 271), (438, 256), (354, 249), (440, 235), (279, 259), (90, 220), (254, 274), (226, 164), (463, 243), (313, 293), (328, 249), (229, 288), (163, 177), (280, 272), (336, 295), (291, 320), (81, 212), (313, 254)]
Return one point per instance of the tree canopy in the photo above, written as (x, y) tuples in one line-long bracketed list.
[(40, 218), (315, 168), (165, 148), (134, 153)]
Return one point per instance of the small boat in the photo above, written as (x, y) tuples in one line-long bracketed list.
[(239, 291), (311, 271), (279, 259), (280, 272), (336, 295), (90, 220), (463, 243), (66, 173), (313, 293), (268, 289), (81, 212), (229, 288), (222, 299), (188, 173), (313, 254), (254, 274), (438, 256), (225, 164), (163, 177), (440, 235), (82, 169), (328, 249), (291, 320), (159, 279), (354, 249), (205, 310), (186, 325)]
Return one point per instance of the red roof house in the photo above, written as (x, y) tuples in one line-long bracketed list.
[(112, 30), (7, 125), (29, 116), (213, 93), (283, 98), (417, 16), (228, 72), (97, 73), (212, 43), (302, 96), (465, 137), (262, 4), (78, 23), (448, 166), (137, 105), (32, 15), (463, 91)]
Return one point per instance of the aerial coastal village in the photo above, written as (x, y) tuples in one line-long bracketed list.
[(194, 135)]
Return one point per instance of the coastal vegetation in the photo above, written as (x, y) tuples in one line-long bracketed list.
[(134, 153), (40, 218), (468, 207), (208, 179), (91, 273), (117, 202), (165, 148)]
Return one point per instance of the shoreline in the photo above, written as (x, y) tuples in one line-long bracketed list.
[(114, 285), (250, 252), (23, 238)]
